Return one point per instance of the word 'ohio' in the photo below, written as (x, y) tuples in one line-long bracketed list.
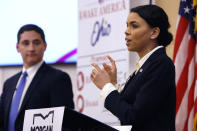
[(102, 29)]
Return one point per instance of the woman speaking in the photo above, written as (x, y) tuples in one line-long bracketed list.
[(148, 99)]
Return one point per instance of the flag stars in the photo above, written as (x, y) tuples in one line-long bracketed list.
[(186, 10)]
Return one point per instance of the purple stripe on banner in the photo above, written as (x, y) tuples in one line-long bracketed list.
[(67, 56)]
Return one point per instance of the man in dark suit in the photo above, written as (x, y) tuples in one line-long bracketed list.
[(44, 86)]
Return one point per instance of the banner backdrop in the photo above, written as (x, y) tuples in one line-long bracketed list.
[(102, 24)]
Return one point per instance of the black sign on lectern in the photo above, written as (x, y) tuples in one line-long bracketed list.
[(75, 121)]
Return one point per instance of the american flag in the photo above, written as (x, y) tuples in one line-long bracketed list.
[(185, 59)]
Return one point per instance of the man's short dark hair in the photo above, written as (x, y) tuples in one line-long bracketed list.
[(31, 27)]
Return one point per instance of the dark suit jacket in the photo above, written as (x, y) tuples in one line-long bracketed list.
[(148, 101), (49, 88)]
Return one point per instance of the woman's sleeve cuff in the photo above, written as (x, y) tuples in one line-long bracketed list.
[(107, 89)]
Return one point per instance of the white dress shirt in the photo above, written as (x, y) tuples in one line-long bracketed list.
[(109, 87), (30, 75)]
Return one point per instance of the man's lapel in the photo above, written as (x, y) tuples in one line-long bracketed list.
[(10, 92), (32, 87)]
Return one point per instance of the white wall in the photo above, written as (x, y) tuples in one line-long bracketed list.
[(6, 72)]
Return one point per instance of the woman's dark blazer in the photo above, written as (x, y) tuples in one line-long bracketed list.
[(148, 101)]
